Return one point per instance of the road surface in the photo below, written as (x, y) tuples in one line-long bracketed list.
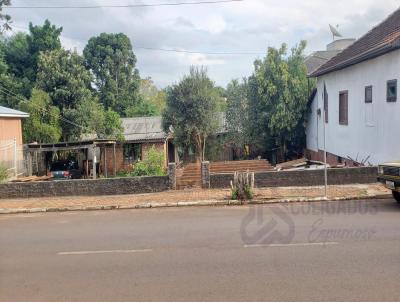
[(347, 251)]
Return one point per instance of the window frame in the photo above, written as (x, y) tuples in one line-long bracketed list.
[(326, 107), (391, 99), (344, 120), (366, 99)]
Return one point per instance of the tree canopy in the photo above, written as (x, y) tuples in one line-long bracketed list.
[(192, 110), (61, 73), (5, 19), (111, 59), (237, 114), (278, 95), (42, 39), (43, 124)]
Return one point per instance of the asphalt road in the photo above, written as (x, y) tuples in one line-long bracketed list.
[(348, 251)]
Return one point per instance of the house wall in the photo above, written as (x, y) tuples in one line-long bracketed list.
[(121, 165), (372, 128), (11, 128), (160, 147)]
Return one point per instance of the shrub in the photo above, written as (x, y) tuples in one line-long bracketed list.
[(3, 174), (152, 166)]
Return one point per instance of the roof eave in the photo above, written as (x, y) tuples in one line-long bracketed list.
[(15, 115), (365, 57)]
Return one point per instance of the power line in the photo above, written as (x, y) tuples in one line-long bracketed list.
[(240, 53), (14, 95), (125, 5), (200, 52)]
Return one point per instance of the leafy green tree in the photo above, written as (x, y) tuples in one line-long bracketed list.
[(42, 39), (153, 165), (18, 58), (63, 76), (237, 114), (151, 102), (93, 121), (144, 108), (113, 128), (222, 99), (279, 94), (111, 59), (10, 87), (43, 124), (5, 19), (192, 110)]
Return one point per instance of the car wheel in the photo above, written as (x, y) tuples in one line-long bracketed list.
[(396, 195)]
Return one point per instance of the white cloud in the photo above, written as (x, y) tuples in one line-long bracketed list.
[(251, 25)]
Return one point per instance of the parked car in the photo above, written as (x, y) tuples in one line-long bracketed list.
[(67, 169), (389, 175)]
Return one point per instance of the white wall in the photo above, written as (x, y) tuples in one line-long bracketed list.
[(373, 129)]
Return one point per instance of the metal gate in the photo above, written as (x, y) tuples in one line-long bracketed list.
[(12, 158)]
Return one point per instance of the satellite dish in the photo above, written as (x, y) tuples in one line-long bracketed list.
[(335, 32)]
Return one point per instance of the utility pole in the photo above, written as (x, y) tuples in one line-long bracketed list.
[(15, 158), (325, 100)]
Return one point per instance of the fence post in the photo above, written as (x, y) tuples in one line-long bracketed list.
[(172, 176), (15, 158), (205, 175)]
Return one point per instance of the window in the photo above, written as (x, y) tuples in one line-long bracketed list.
[(368, 94), (132, 153), (343, 108), (326, 105), (392, 91)]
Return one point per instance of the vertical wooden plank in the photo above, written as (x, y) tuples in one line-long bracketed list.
[(94, 162), (114, 161), (105, 162)]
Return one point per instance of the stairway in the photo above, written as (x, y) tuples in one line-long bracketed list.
[(189, 177), (230, 167)]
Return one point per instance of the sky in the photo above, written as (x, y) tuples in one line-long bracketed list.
[(247, 26)]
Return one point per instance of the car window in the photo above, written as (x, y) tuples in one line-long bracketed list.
[(58, 166)]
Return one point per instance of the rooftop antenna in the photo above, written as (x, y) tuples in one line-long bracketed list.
[(335, 32)]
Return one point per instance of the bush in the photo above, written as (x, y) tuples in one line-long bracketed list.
[(152, 166), (3, 174)]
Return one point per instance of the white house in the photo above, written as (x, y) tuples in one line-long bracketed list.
[(362, 106)]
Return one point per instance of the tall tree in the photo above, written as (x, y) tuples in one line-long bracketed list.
[(10, 87), (5, 19), (42, 39), (192, 110), (63, 76), (111, 59), (93, 121), (279, 94), (43, 124), (151, 102), (18, 58), (237, 113)]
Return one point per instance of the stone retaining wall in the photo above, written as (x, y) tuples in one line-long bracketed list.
[(85, 187), (304, 178)]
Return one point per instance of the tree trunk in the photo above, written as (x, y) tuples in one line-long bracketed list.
[(243, 185)]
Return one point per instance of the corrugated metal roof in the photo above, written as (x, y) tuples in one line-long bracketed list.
[(8, 112), (142, 129), (139, 129)]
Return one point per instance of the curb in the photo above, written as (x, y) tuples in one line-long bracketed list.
[(202, 203)]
